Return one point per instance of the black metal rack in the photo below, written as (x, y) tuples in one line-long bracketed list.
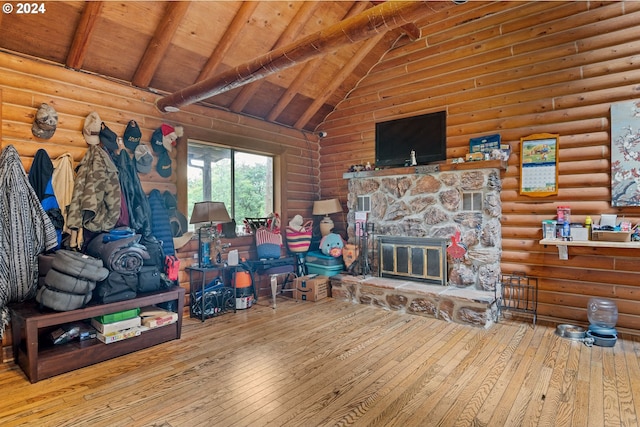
[(518, 292)]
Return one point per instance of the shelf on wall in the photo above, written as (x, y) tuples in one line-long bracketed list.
[(563, 245), (425, 169)]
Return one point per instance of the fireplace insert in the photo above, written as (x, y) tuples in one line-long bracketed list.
[(415, 258)]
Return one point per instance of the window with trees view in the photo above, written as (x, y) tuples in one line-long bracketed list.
[(242, 180)]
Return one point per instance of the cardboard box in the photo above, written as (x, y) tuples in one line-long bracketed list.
[(154, 317), (120, 315), (107, 328), (311, 288), (120, 335), (611, 236)]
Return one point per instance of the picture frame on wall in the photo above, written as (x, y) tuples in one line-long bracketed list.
[(539, 165), (625, 153)]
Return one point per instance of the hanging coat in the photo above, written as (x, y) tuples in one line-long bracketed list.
[(25, 232), (138, 211), (95, 204)]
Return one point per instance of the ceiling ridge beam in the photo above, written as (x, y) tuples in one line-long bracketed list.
[(157, 48), (288, 36), (372, 22), (83, 34)]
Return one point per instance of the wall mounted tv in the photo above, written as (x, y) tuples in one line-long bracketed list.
[(426, 134)]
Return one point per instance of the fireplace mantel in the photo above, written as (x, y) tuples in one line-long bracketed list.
[(411, 170)]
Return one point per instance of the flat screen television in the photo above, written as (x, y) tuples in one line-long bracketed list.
[(426, 134)]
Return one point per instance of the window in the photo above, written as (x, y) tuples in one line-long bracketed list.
[(240, 179)]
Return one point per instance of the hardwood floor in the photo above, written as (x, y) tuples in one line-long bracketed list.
[(334, 363)]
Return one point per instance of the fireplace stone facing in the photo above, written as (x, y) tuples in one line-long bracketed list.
[(434, 205)]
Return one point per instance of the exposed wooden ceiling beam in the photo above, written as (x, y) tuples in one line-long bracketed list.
[(230, 35), (309, 68), (289, 35), (337, 80), (174, 12), (83, 34), (372, 22)]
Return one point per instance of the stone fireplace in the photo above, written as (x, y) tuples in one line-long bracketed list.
[(414, 203)]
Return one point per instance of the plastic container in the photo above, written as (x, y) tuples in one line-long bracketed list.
[(324, 270), (549, 229), (602, 312)]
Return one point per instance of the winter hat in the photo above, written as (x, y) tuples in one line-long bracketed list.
[(45, 123), (143, 158), (156, 142), (170, 135), (91, 130), (132, 135), (108, 137), (164, 165)]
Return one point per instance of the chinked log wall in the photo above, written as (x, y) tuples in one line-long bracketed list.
[(25, 84), (517, 68)]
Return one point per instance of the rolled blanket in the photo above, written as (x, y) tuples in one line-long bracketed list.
[(122, 255), (70, 284), (127, 260), (79, 265)]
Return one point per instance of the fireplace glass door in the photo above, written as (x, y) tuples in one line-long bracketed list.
[(413, 258)]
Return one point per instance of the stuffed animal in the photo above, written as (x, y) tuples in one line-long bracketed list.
[(332, 244)]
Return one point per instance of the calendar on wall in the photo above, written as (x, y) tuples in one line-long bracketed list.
[(539, 165)]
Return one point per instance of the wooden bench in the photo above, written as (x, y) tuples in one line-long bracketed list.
[(40, 359)]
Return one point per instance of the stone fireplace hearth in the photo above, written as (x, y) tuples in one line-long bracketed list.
[(411, 202)]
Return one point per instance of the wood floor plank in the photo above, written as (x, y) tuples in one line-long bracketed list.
[(596, 388), (336, 363), (496, 407)]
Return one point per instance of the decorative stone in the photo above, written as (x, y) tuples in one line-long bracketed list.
[(423, 306), (434, 215), (494, 182), (420, 204), (426, 184), (445, 310), (379, 204), (450, 179), (397, 301), (397, 211), (472, 180), (473, 316), (489, 276), (469, 219), (464, 275), (493, 205), (450, 200), (363, 186)]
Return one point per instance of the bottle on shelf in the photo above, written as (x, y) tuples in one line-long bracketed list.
[(587, 224)]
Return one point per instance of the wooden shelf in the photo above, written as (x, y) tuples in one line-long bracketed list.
[(562, 245), (420, 169), (591, 243)]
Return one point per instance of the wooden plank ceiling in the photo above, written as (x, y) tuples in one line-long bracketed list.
[(172, 48)]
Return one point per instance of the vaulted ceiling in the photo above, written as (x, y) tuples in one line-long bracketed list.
[(289, 63)]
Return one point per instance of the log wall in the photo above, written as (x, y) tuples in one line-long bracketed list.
[(516, 68), (25, 84)]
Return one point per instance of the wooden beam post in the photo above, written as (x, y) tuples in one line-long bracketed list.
[(371, 22)]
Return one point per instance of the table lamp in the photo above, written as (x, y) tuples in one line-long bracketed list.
[(211, 213), (326, 207)]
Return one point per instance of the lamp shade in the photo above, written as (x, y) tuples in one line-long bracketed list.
[(326, 207), (213, 212)]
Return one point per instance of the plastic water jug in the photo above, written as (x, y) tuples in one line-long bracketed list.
[(602, 312)]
